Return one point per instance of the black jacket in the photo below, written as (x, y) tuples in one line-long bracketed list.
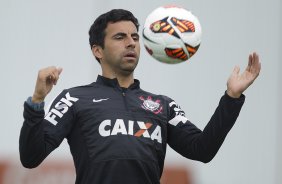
[(119, 135)]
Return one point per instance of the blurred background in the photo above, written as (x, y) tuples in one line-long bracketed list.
[(35, 34)]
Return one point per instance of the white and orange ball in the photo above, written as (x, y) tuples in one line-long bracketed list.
[(172, 34)]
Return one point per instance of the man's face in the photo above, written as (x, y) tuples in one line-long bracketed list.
[(121, 48)]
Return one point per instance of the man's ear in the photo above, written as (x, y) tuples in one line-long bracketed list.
[(97, 51)]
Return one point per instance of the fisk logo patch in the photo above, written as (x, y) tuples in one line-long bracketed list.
[(60, 109), (109, 128)]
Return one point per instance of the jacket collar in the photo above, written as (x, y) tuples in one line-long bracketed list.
[(114, 82)]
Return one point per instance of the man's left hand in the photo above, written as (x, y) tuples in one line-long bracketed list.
[(238, 83)]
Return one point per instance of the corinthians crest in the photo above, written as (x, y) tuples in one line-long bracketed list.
[(149, 104)]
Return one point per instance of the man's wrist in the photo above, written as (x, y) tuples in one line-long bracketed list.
[(37, 106), (233, 95), (36, 99)]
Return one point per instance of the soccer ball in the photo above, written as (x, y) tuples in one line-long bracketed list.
[(172, 34)]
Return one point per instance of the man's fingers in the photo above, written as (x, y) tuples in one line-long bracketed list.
[(60, 69), (50, 74), (55, 74), (255, 65), (250, 62)]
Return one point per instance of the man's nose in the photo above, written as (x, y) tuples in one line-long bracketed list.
[(130, 42)]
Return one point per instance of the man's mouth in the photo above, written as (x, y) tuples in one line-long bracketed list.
[(130, 54)]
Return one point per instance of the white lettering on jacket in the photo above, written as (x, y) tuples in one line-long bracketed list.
[(179, 114), (60, 109), (107, 129)]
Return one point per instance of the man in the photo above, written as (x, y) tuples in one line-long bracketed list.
[(118, 132)]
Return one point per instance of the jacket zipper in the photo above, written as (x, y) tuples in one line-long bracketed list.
[(124, 99)]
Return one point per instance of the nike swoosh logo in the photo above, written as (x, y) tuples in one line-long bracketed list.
[(100, 100)]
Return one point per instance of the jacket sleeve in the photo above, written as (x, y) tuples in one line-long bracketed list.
[(41, 134), (189, 141)]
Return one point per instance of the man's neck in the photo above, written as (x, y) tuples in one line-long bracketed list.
[(124, 80)]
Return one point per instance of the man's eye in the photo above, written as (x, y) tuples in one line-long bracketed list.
[(136, 38), (118, 37)]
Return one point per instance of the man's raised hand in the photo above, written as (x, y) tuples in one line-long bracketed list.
[(47, 77), (238, 83)]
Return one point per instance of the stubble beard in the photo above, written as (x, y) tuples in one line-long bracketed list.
[(128, 68)]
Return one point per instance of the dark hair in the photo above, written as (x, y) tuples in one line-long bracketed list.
[(97, 29)]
